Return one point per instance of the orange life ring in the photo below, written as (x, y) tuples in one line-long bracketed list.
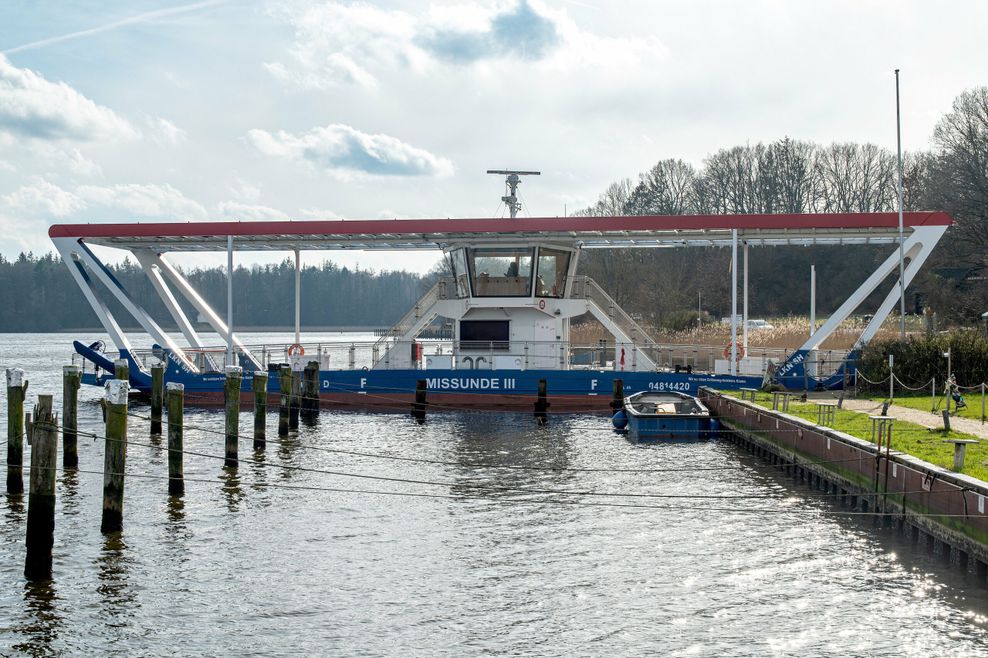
[(727, 351), (296, 350)]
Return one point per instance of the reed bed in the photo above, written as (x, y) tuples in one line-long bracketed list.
[(787, 333)]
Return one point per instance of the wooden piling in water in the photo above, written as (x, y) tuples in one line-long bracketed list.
[(41, 493), (542, 404), (16, 390), (176, 431), (617, 395), (294, 399), (260, 387), (285, 397), (310, 390), (157, 396), (231, 397), (419, 406), (115, 455), (71, 380), (121, 370)]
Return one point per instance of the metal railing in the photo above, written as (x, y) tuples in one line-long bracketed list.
[(557, 355), (586, 288)]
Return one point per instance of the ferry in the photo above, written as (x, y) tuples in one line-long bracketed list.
[(510, 300)]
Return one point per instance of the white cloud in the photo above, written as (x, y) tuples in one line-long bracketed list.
[(343, 150), (164, 132), (33, 107), (339, 44), (317, 213), (243, 190), (63, 159), (246, 211), (43, 198), (162, 201)]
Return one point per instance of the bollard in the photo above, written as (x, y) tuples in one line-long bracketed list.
[(41, 493), (176, 429), (617, 396), (231, 397), (946, 420), (419, 406), (260, 386), (285, 386), (121, 370), (71, 380), (115, 457), (310, 390), (157, 397), (16, 390), (294, 399), (542, 404)]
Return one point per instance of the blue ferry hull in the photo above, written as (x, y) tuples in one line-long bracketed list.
[(567, 389)]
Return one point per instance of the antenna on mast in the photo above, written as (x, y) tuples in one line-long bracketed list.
[(511, 187)]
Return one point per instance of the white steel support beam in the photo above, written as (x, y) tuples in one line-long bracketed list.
[(298, 298), (200, 304), (69, 248), (159, 335), (734, 302), (917, 249), (151, 262), (231, 355), (744, 312)]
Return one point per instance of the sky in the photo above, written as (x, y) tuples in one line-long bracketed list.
[(303, 109)]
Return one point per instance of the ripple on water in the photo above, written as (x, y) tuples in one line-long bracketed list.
[(294, 569)]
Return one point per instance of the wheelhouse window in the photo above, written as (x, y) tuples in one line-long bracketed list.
[(501, 272), (553, 266)]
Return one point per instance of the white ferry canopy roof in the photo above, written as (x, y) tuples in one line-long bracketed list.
[(425, 234)]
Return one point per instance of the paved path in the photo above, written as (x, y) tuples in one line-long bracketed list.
[(925, 418)]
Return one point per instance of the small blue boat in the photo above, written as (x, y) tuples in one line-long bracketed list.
[(670, 415)]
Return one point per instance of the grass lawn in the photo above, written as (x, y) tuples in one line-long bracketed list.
[(909, 438), (925, 403)]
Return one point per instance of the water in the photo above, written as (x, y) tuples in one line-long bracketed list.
[(293, 568)]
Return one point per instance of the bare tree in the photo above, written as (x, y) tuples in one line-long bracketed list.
[(855, 178), (787, 177), (960, 166), (665, 189)]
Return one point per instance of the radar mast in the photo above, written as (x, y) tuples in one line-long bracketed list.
[(511, 187)]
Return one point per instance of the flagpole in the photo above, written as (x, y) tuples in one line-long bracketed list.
[(902, 278)]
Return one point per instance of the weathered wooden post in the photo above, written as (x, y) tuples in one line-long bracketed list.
[(260, 386), (310, 390), (157, 396), (16, 390), (542, 404), (71, 380), (946, 420), (285, 386), (294, 398), (617, 395), (115, 455), (121, 370), (176, 429), (419, 406), (231, 396), (41, 493)]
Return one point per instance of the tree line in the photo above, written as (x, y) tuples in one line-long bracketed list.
[(794, 176), (38, 293)]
